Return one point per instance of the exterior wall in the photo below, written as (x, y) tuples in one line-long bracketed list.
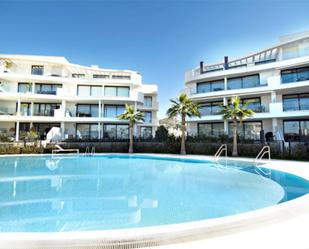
[(292, 53), (57, 70)]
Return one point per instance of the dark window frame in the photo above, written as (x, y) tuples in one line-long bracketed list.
[(211, 104), (242, 81), (211, 85), (90, 88), (116, 105), (52, 85), (78, 75), (89, 130), (90, 109), (243, 127), (211, 123), (24, 83), (116, 124), (298, 101), (293, 71), (117, 95), (40, 104), (100, 76), (299, 130), (37, 67)]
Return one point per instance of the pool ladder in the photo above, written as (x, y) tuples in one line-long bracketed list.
[(264, 151), (222, 148), (89, 152)]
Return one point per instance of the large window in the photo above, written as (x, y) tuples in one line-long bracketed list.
[(87, 110), (116, 91), (37, 70), (112, 111), (45, 109), (296, 130), (211, 108), (243, 82), (78, 75), (87, 131), (212, 86), (85, 90), (122, 77), (254, 104), (43, 128), (100, 76), (146, 132), (294, 75), (210, 129), (148, 117), (116, 131), (24, 87), (24, 109), (148, 101), (248, 130), (51, 89), (296, 102)]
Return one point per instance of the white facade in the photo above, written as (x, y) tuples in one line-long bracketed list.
[(41, 92), (274, 80)]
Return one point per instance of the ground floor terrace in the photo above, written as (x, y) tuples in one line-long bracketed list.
[(54, 130), (287, 129)]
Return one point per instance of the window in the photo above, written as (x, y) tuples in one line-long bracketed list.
[(85, 91), (148, 101), (122, 77), (211, 108), (87, 110), (24, 109), (254, 104), (294, 75), (148, 117), (210, 129), (146, 132), (212, 86), (243, 82), (248, 130), (87, 131), (116, 131), (78, 75), (100, 76), (43, 128), (37, 70), (24, 87), (50, 89), (116, 91), (112, 111), (296, 130), (296, 102), (44, 109)]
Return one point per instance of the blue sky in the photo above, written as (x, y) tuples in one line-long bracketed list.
[(160, 39)]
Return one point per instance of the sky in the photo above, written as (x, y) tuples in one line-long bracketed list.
[(160, 39)]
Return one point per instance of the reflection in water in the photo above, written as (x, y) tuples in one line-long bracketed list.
[(93, 193)]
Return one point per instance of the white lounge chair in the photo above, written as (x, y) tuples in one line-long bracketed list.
[(60, 149)]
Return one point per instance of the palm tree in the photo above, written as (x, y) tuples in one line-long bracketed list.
[(184, 107), (133, 117), (236, 111)]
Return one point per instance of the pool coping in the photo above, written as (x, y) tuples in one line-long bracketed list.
[(177, 235)]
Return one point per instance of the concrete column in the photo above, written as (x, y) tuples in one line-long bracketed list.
[(17, 131), (33, 87), (100, 108), (274, 125), (31, 108), (225, 101), (99, 130), (64, 107), (18, 107), (273, 97), (62, 130), (225, 83)]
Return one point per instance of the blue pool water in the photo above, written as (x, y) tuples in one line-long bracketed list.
[(45, 194)]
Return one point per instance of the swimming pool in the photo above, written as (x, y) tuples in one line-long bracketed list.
[(106, 192)]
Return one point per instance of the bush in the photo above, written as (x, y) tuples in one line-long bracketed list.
[(161, 133)]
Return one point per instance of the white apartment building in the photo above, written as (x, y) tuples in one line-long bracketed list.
[(38, 93), (276, 83)]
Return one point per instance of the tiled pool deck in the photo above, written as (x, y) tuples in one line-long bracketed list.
[(285, 225)]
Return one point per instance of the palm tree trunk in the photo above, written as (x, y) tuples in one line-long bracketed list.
[(131, 139), (183, 134), (235, 150)]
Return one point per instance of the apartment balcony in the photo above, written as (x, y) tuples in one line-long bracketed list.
[(154, 106)]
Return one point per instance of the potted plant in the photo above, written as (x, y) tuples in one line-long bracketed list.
[(7, 66)]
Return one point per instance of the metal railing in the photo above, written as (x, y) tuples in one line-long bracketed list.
[(264, 151), (222, 148)]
